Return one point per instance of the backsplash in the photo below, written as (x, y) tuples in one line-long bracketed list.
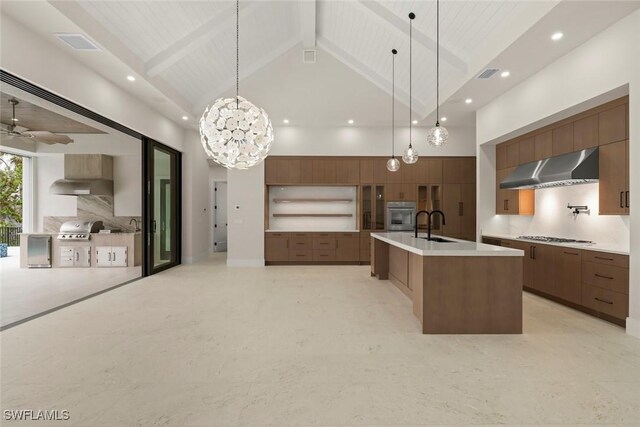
[(95, 208), (552, 218)]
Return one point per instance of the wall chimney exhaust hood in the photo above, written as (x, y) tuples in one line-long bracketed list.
[(85, 175), (580, 167)]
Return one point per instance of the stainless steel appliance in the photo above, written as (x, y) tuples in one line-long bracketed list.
[(579, 167), (401, 216), (550, 239), (75, 256), (80, 229), (38, 251)]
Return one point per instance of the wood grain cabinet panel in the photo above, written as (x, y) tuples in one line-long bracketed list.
[(501, 156), (585, 132), (306, 171), (569, 282), (458, 170), (513, 154), (324, 171), (324, 255), (393, 192), (324, 241), (451, 198), (270, 171), (347, 247), (300, 255), (430, 170), (526, 151), (300, 241), (410, 173), (467, 211), (380, 171), (604, 301), (347, 171), (543, 145), (606, 276), (562, 140), (366, 171), (276, 247), (288, 171), (613, 125), (613, 179), (502, 196), (606, 258), (409, 192)]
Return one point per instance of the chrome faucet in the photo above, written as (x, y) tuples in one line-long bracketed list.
[(136, 221), (429, 214)]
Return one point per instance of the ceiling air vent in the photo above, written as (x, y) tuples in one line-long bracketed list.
[(488, 73), (309, 56), (77, 41)]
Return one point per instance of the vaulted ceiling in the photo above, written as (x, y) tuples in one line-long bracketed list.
[(186, 49)]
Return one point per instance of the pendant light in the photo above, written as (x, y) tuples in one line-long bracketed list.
[(437, 135), (393, 164), (410, 155), (234, 132)]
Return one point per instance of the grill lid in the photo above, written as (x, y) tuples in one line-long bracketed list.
[(81, 226)]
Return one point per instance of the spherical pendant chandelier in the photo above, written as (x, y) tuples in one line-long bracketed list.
[(393, 164), (437, 135), (234, 132), (410, 155)]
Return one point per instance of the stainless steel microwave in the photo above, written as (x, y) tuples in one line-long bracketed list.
[(401, 216)]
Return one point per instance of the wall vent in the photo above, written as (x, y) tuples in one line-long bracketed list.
[(77, 41), (488, 73), (309, 56)]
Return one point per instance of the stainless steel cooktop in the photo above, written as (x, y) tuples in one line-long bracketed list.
[(551, 239)]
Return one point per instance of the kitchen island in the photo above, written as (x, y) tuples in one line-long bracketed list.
[(457, 286)]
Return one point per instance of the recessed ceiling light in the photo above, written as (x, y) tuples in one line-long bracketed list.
[(131, 78), (443, 119), (505, 74), (415, 122), (556, 36), (185, 118), (350, 122), (468, 101), (285, 121)]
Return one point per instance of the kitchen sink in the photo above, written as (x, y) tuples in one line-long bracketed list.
[(437, 239)]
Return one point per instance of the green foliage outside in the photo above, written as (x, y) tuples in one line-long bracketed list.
[(10, 190)]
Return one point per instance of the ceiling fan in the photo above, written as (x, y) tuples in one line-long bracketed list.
[(43, 136)]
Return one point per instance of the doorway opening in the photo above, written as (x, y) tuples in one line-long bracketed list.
[(220, 216)]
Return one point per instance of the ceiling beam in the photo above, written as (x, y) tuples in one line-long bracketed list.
[(401, 24), (308, 23), (245, 72), (196, 38), (365, 71)]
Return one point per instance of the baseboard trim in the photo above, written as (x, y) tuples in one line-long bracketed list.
[(245, 262), (633, 327)]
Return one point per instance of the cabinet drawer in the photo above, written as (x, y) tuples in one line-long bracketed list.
[(347, 235), (606, 276), (271, 235), (608, 302), (323, 235), (324, 243), (606, 258), (300, 241), (324, 255), (300, 255)]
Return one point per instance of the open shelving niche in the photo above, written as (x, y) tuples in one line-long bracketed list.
[(312, 208)]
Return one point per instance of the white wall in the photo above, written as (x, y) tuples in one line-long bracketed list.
[(366, 141), (604, 63), (47, 170)]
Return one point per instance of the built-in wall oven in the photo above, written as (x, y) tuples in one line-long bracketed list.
[(401, 216)]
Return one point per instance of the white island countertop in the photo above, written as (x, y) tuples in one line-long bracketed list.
[(455, 247)]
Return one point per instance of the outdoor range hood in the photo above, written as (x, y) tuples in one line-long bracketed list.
[(580, 167), (85, 175)]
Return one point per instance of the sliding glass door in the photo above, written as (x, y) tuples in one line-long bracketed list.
[(163, 207)]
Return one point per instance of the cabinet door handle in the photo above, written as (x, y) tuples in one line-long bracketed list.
[(622, 199), (627, 198), (507, 203), (109, 254), (570, 253), (603, 277), (533, 251), (504, 204), (460, 208), (114, 256), (602, 300), (604, 258)]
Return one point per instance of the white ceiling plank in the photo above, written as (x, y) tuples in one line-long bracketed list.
[(308, 23), (197, 38), (401, 25), (227, 85), (383, 83)]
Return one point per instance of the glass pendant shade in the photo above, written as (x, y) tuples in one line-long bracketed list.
[(410, 155), (437, 136), (235, 133), (393, 164)]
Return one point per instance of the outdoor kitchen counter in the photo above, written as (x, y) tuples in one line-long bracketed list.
[(458, 287)]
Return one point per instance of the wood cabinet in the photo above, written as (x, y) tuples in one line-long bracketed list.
[(513, 202), (543, 145), (585, 132), (312, 247), (400, 192), (347, 247), (430, 170), (382, 175), (459, 170), (562, 140), (613, 125), (459, 207), (513, 154), (596, 282), (411, 173), (276, 247), (526, 151), (324, 171), (366, 170), (501, 156), (347, 171), (614, 179), (289, 171), (88, 166)]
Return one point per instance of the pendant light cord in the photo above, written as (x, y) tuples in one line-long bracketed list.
[(410, 79), (393, 104), (237, 53), (437, 62)]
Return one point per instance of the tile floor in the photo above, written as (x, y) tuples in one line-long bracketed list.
[(28, 291), (205, 345)]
